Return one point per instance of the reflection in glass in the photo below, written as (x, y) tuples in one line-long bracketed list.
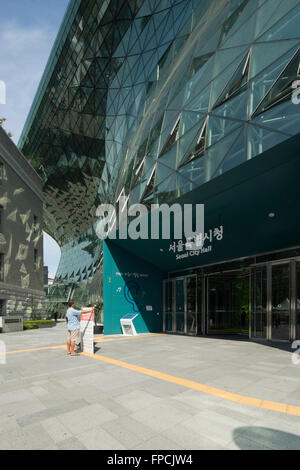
[(228, 303), (298, 300), (168, 306), (259, 302), (191, 304), (281, 302), (179, 305)]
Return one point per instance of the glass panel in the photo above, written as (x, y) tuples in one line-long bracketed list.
[(286, 28), (244, 34), (198, 84), (168, 306), (189, 120), (235, 108), (282, 89), (298, 300), (226, 57), (234, 27), (235, 156), (184, 185), (200, 102), (259, 302), (220, 82), (270, 12), (216, 154), (261, 84), (194, 171), (191, 304), (179, 306), (260, 140), (219, 128), (265, 54), (200, 281), (285, 117), (228, 303), (281, 302)]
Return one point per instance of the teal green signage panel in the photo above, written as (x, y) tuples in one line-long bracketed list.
[(130, 286)]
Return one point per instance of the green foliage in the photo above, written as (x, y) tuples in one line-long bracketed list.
[(98, 311), (33, 325)]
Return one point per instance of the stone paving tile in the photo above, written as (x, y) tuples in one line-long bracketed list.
[(161, 417), (38, 391), (10, 426), (159, 443), (98, 439), (137, 399), (121, 390), (56, 430), (161, 389), (190, 441), (131, 425), (215, 426), (113, 406), (9, 441), (20, 410), (86, 418), (71, 444), (45, 413), (197, 400), (37, 437), (59, 401), (244, 414), (51, 401), (124, 433)]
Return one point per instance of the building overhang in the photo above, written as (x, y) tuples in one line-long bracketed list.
[(257, 204)]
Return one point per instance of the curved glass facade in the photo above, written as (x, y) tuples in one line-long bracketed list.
[(152, 99)]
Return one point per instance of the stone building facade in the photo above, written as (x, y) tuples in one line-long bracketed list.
[(21, 235)]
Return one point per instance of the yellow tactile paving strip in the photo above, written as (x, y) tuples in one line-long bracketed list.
[(35, 349), (234, 397), (216, 392)]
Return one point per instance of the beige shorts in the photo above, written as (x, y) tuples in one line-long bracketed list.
[(74, 336)]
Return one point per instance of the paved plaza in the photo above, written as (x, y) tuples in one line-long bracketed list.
[(152, 392)]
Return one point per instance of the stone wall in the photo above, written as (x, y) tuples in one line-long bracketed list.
[(25, 302), (21, 235)]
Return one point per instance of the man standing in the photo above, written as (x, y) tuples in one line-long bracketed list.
[(72, 318)]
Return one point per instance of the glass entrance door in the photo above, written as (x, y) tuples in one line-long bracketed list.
[(180, 305), (259, 302), (191, 304), (228, 303), (281, 302), (297, 301), (168, 306), (271, 301)]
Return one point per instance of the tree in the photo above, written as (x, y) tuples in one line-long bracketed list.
[(2, 120)]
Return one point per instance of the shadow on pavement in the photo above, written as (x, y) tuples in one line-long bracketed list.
[(96, 348), (282, 345), (265, 438)]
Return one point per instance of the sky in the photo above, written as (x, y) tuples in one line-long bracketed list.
[(28, 29)]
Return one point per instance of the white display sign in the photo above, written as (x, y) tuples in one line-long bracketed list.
[(87, 329)]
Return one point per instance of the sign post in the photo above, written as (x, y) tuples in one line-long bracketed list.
[(87, 329)]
